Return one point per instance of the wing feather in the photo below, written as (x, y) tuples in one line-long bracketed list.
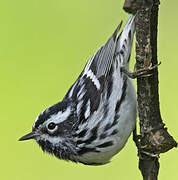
[(101, 62)]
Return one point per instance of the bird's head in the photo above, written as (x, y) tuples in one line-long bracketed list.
[(53, 129)]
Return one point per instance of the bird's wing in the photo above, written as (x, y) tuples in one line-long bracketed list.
[(97, 67), (100, 63), (86, 91)]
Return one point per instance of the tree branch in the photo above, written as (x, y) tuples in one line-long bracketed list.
[(155, 138)]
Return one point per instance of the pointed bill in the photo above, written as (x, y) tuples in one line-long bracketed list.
[(28, 136)]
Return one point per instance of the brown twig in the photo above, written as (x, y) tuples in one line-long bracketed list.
[(155, 138)]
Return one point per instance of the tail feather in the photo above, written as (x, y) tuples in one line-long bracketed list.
[(124, 42)]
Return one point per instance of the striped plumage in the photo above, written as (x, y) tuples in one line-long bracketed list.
[(98, 113)]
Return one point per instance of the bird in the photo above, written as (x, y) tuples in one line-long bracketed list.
[(97, 115)]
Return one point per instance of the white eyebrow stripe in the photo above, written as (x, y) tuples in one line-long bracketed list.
[(60, 116)]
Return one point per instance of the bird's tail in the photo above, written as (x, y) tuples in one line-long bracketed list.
[(124, 42)]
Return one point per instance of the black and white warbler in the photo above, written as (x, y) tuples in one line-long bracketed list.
[(97, 115)]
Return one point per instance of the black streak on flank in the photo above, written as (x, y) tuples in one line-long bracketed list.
[(87, 150), (122, 52), (106, 144), (130, 35), (92, 138), (116, 118), (105, 111), (121, 100), (103, 136), (128, 58), (124, 87), (108, 126), (82, 133), (115, 131)]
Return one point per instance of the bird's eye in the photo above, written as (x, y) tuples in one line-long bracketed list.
[(51, 126)]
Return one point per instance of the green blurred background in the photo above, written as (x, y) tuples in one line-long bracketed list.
[(44, 44)]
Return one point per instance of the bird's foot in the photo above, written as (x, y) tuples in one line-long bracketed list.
[(141, 72)]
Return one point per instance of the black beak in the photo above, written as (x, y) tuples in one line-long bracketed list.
[(28, 136)]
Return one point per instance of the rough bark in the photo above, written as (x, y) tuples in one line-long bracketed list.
[(155, 138)]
